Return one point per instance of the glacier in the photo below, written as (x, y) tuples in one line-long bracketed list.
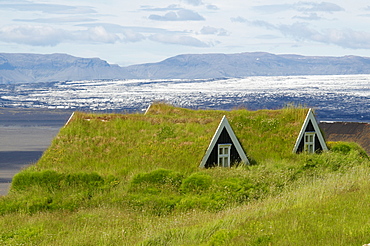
[(334, 97)]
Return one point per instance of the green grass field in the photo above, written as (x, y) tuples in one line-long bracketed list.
[(110, 179)]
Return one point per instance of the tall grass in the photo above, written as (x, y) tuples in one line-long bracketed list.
[(134, 180)]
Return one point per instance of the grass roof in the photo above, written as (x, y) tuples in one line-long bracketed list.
[(157, 195), (167, 137)]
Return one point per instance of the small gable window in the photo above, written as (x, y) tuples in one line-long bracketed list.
[(224, 149), (309, 142), (224, 155), (310, 138)]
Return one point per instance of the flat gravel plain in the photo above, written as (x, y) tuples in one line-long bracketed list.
[(24, 135)]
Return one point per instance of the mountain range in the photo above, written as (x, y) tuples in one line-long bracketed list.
[(28, 68)]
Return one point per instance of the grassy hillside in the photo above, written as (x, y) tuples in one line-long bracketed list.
[(134, 180)]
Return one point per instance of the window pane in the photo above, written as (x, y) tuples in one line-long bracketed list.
[(221, 150), (220, 161), (226, 151)]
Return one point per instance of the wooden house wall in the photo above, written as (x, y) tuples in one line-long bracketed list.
[(318, 146), (224, 138)]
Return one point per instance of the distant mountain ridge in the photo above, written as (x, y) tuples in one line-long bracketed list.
[(26, 68)]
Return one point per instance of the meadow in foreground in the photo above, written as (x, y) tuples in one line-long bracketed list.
[(130, 180)]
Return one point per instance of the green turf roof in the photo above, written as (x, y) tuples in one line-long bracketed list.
[(167, 137)]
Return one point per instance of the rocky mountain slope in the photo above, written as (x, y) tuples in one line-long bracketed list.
[(61, 67), (26, 68), (250, 64)]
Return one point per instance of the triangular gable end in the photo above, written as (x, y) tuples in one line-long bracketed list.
[(231, 147), (69, 119), (310, 127)]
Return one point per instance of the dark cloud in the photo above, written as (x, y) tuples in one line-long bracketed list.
[(180, 15)]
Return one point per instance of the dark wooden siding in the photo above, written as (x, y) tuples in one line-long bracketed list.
[(223, 139), (318, 146)]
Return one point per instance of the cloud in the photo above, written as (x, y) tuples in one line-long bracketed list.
[(310, 16), (97, 34), (194, 2), (132, 36), (212, 7), (273, 8), (300, 6), (264, 24), (200, 2), (346, 38), (48, 8), (318, 7), (119, 29), (239, 19), (32, 35), (151, 8), (66, 19), (181, 15), (49, 36), (179, 40), (208, 30)]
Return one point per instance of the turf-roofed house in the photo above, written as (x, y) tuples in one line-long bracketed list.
[(171, 137), (310, 138)]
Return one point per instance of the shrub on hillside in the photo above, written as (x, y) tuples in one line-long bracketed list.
[(49, 190), (347, 147), (156, 182), (196, 183), (52, 180), (47, 179)]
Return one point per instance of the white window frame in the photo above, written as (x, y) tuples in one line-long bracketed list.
[(309, 142), (223, 155)]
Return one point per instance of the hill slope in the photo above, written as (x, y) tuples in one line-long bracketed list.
[(111, 179), (250, 64), (25, 68), (16, 68)]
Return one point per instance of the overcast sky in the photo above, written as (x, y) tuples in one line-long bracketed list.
[(129, 32)]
